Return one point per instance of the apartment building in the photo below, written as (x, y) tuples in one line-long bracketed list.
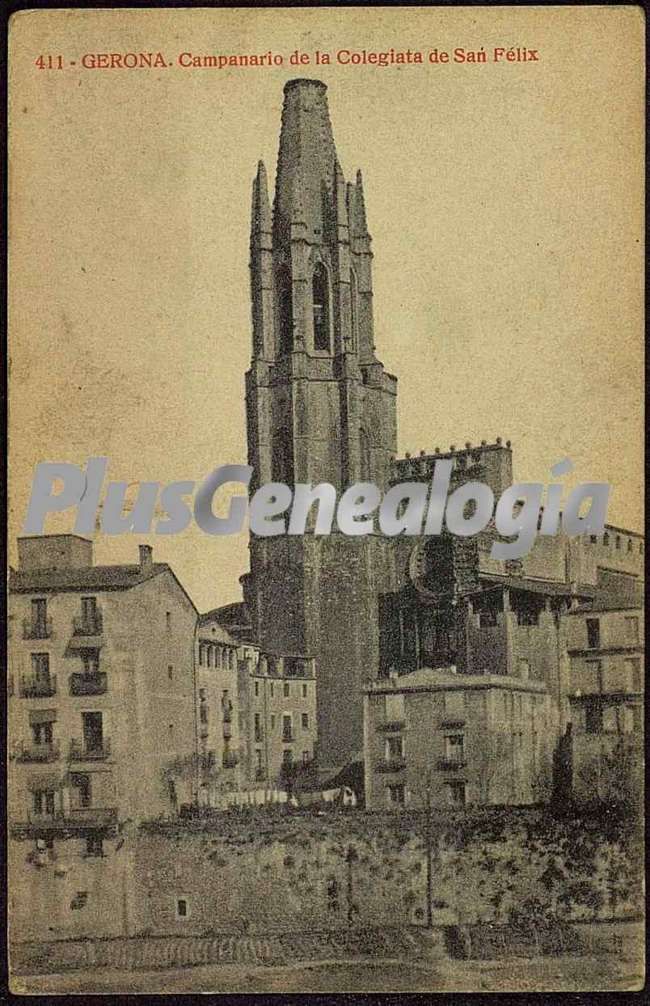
[(102, 721), (605, 695), (217, 710), (277, 695), (445, 739)]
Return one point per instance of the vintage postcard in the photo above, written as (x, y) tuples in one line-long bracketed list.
[(326, 544)]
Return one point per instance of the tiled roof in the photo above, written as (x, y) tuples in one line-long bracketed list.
[(82, 578)]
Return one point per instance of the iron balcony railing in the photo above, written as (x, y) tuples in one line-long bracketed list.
[(37, 686), (40, 752), (40, 628), (85, 751), (88, 625), (396, 764), (391, 725), (93, 817), (88, 683), (450, 764)]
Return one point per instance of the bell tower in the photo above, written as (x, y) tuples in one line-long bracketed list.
[(320, 408)]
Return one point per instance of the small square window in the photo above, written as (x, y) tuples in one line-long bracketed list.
[(182, 908), (94, 845)]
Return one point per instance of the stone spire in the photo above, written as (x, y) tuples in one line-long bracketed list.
[(307, 158)]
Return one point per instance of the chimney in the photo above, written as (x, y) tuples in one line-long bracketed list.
[(146, 558)]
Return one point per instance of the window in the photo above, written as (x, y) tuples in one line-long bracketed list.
[(39, 617), (455, 748), (83, 792), (41, 665), (629, 545), (272, 721), (593, 539), (305, 757), (94, 845), (305, 721), (631, 629), (272, 689), (354, 308), (257, 688), (89, 611), (321, 308), (90, 660), (42, 733), (593, 717), (633, 674), (182, 909), (394, 747), (287, 727), (286, 690), (285, 310), (287, 756), (43, 802), (456, 793), (365, 458), (593, 633), (282, 455), (618, 541), (304, 691), (397, 794), (605, 539), (93, 732), (258, 759), (258, 727), (168, 619)]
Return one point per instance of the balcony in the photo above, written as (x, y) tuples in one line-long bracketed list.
[(40, 629), (90, 683), (230, 759), (391, 765), (76, 817), (386, 725), (39, 752), (84, 625), (40, 687), (450, 764), (287, 736), (82, 751)]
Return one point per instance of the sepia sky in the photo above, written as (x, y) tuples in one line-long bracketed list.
[(504, 200)]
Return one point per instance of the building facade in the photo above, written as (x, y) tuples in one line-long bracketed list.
[(102, 721), (277, 696), (434, 737), (217, 710)]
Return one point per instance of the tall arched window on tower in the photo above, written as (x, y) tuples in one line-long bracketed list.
[(354, 310), (282, 457), (365, 464), (285, 310), (321, 308)]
